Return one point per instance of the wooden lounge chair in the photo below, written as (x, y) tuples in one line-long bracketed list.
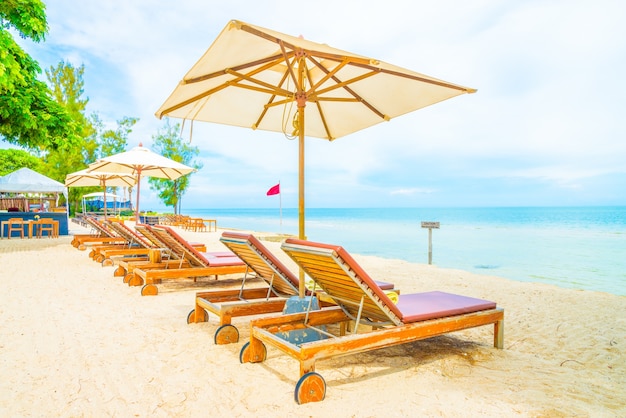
[(134, 246), (101, 235), (201, 264), (415, 316), (128, 240), (280, 284), (161, 257)]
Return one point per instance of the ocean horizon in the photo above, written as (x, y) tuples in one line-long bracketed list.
[(571, 247)]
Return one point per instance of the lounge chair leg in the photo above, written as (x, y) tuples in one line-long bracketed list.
[(498, 334), (197, 315), (135, 280)]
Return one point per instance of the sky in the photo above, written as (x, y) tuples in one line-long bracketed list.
[(545, 128)]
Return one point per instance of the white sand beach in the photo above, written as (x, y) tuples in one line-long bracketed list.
[(75, 341)]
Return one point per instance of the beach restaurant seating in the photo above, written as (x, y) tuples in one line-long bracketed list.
[(379, 322), (49, 226), (15, 225), (201, 264), (280, 284)]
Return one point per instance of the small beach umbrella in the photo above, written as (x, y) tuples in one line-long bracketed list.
[(138, 162), (262, 79), (84, 178)]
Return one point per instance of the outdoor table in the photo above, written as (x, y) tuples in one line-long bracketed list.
[(210, 222)]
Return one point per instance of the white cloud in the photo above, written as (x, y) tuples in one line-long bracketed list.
[(548, 110)]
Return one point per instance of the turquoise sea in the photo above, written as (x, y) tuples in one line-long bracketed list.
[(573, 247)]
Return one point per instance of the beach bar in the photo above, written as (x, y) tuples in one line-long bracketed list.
[(30, 200)]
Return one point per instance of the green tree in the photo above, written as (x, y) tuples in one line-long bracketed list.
[(29, 117), (14, 159), (168, 143), (67, 85)]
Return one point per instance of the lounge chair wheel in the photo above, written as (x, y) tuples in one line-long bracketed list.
[(310, 388), (226, 334), (107, 262), (245, 355), (82, 247), (192, 317), (119, 271), (99, 258), (127, 277), (92, 253), (149, 290), (134, 280)]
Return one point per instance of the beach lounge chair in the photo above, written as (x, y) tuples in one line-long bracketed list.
[(161, 256), (128, 240), (280, 284), (134, 246), (414, 317), (101, 235), (201, 264)]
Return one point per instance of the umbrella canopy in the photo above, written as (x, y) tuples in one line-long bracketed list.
[(84, 178), (140, 161), (262, 79)]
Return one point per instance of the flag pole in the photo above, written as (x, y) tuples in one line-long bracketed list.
[(280, 200)]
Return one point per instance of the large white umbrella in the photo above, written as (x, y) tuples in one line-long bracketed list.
[(262, 79), (138, 162), (85, 178)]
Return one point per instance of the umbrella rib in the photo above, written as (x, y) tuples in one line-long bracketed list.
[(269, 61), (270, 102), (271, 89), (344, 85), (416, 78), (272, 61)]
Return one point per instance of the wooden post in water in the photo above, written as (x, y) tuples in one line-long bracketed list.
[(430, 226)]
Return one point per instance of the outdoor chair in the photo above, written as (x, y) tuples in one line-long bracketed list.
[(360, 301), (200, 264), (101, 234), (280, 284), (46, 225), (15, 225), (161, 256), (134, 245)]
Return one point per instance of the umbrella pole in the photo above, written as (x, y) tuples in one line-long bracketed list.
[(104, 186), (137, 199), (301, 223)]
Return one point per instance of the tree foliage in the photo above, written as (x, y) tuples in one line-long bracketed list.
[(96, 141), (168, 143), (29, 117), (14, 159)]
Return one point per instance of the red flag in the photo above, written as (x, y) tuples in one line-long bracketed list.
[(274, 190)]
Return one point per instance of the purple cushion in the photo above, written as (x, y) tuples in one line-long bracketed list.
[(430, 305), (214, 261)]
